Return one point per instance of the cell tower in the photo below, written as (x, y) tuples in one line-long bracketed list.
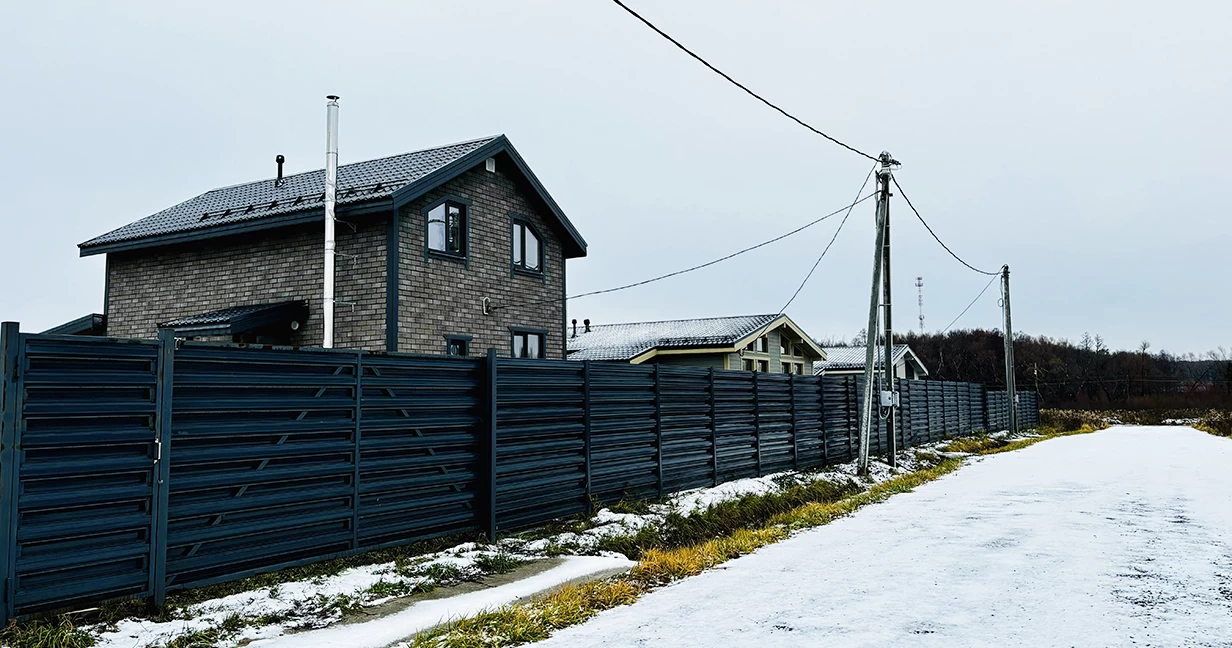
[(919, 283)]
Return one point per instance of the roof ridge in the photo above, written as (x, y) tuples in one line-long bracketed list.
[(340, 166), (685, 319)]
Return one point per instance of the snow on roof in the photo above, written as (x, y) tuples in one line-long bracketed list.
[(627, 341), (847, 358)]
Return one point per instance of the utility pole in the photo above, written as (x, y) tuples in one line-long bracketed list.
[(887, 364), (919, 283), (870, 354), (1010, 389)]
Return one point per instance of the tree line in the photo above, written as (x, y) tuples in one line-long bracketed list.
[(1082, 374)]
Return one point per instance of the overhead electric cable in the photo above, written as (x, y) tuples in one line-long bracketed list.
[(823, 252), (930, 231), (701, 265), (964, 311), (736, 83)]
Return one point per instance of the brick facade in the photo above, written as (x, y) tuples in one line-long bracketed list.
[(442, 297), (151, 286), (437, 297)]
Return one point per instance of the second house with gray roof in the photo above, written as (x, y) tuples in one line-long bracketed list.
[(449, 250), (764, 343)]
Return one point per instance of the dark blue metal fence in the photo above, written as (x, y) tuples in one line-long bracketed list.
[(130, 468)]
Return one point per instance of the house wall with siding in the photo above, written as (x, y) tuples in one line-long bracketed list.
[(901, 370), (151, 286), (439, 297), (703, 360)]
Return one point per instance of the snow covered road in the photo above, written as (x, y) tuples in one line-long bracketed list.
[(1119, 538)]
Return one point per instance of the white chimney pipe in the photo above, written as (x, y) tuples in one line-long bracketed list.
[(331, 190)]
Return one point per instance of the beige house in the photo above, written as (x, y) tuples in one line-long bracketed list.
[(764, 343)]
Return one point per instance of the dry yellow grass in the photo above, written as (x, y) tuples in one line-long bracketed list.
[(537, 619)]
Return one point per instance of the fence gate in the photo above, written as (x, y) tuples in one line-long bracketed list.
[(79, 469)]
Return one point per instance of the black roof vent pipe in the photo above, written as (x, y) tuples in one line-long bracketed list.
[(278, 181)]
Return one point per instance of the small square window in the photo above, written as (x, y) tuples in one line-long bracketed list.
[(527, 344), (457, 346), (763, 366), (749, 366), (786, 368)]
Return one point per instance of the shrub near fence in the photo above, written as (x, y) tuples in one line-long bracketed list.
[(130, 467)]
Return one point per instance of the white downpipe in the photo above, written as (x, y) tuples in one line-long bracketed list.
[(331, 190)]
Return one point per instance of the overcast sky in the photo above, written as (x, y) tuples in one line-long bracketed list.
[(1086, 144)]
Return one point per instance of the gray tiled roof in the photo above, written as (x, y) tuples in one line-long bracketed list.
[(357, 182), (627, 341), (846, 358)]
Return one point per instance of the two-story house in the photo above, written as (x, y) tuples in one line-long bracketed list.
[(449, 250)]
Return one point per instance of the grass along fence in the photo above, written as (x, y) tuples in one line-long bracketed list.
[(129, 468)]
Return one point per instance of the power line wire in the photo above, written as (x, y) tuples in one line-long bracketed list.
[(701, 265), (736, 83), (964, 311), (930, 231), (823, 252)]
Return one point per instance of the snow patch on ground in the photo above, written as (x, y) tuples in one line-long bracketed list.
[(1088, 540), (314, 603), (311, 603), (427, 614)]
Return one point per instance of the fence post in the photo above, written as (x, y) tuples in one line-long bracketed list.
[(162, 465), (795, 443), (757, 420), (359, 414), (658, 406), (818, 382), (586, 424), (489, 523), (714, 436), (9, 415)]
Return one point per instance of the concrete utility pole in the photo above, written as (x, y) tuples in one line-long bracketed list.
[(887, 360), (1010, 389), (870, 355)]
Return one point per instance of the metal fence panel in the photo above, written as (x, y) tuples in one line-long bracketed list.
[(809, 431), (688, 451), (736, 424), (840, 408), (279, 457), (263, 460), (540, 446), (419, 448), (80, 491), (623, 439), (774, 423)]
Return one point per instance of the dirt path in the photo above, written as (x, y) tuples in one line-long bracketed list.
[(1120, 538)]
